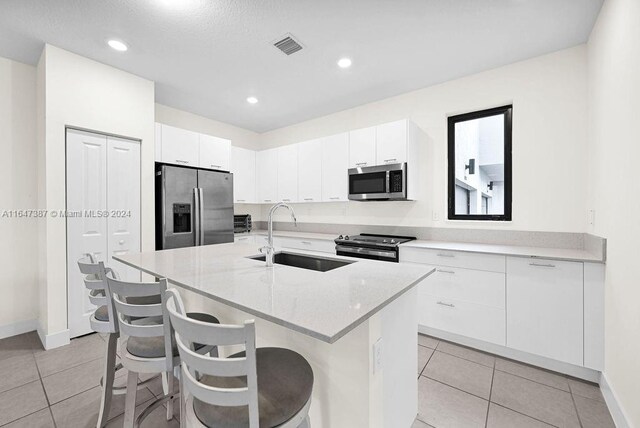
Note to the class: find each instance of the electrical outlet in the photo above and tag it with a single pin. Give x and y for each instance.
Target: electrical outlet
(377, 356)
(435, 215)
(592, 217)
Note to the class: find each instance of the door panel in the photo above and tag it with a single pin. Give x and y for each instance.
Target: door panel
(310, 171)
(86, 233)
(217, 206)
(178, 221)
(123, 196)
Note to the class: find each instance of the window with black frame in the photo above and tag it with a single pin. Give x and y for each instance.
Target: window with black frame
(480, 165)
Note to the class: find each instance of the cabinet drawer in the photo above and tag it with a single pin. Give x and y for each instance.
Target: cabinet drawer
(463, 318)
(305, 244)
(474, 286)
(488, 262)
(246, 239)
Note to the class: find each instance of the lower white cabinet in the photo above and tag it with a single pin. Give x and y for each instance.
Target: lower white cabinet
(461, 317)
(545, 308)
(325, 246)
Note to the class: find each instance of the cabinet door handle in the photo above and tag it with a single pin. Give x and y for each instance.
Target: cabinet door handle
(446, 271)
(308, 199)
(333, 198)
(361, 163)
(446, 255)
(240, 200)
(306, 242)
(182, 161)
(215, 166)
(390, 160)
(549, 265)
(267, 200)
(287, 200)
(450, 305)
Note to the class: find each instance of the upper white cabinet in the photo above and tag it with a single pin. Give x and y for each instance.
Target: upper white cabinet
(179, 146)
(215, 153)
(310, 171)
(335, 163)
(362, 147)
(545, 308)
(243, 167)
(391, 142)
(288, 173)
(183, 147)
(267, 176)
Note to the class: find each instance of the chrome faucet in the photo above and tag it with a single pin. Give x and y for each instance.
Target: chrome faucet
(268, 249)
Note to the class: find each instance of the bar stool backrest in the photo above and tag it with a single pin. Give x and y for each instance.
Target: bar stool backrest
(95, 274)
(142, 320)
(189, 331)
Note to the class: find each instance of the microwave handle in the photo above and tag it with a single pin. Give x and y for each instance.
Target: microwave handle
(388, 184)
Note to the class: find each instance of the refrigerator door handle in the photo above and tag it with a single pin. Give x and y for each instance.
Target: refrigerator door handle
(201, 211)
(196, 215)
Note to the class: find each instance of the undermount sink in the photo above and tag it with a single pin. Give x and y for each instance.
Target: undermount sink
(320, 264)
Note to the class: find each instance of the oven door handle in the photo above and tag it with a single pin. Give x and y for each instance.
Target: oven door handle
(366, 251)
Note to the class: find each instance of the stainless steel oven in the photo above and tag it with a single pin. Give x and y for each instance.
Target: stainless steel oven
(378, 183)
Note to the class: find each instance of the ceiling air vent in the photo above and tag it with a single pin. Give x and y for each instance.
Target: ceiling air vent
(288, 44)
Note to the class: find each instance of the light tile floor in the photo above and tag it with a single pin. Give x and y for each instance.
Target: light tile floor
(458, 387)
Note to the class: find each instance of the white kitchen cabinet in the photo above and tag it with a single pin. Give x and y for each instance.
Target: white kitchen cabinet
(267, 176)
(362, 147)
(243, 167)
(325, 246)
(215, 153)
(335, 163)
(158, 142)
(475, 286)
(545, 308)
(310, 171)
(288, 173)
(179, 146)
(461, 259)
(391, 142)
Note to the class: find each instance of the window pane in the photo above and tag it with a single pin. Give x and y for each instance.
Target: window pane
(479, 163)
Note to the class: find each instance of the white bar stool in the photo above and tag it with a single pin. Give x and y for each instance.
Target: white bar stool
(263, 387)
(147, 344)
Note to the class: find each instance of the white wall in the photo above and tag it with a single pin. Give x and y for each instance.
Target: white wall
(83, 93)
(614, 151)
(549, 145)
(18, 187)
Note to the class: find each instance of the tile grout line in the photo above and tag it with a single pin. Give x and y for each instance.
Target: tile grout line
(524, 414)
(535, 381)
(486, 421)
(425, 366)
(454, 387)
(575, 407)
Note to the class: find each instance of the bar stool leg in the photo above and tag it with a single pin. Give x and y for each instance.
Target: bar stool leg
(170, 392)
(130, 401)
(107, 380)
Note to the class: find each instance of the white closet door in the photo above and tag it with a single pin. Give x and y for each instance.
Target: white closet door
(86, 195)
(123, 201)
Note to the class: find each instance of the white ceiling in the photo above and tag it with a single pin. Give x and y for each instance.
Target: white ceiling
(208, 56)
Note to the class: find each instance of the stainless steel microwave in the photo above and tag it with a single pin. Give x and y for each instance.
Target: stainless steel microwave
(378, 183)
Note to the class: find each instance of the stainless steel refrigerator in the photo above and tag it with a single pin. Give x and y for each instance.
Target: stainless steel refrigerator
(193, 207)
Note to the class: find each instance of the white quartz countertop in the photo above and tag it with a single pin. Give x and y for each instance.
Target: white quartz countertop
(509, 250)
(567, 254)
(324, 305)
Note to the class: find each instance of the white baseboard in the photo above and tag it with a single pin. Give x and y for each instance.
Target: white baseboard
(54, 340)
(17, 328)
(610, 397)
(513, 354)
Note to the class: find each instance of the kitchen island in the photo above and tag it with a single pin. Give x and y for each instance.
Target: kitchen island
(355, 324)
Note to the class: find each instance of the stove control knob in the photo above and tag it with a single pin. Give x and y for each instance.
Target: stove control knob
(346, 237)
(393, 241)
(340, 237)
(384, 241)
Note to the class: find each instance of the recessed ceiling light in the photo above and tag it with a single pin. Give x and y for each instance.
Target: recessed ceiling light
(117, 45)
(344, 63)
(252, 100)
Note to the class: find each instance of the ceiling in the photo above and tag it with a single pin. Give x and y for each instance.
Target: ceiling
(208, 56)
